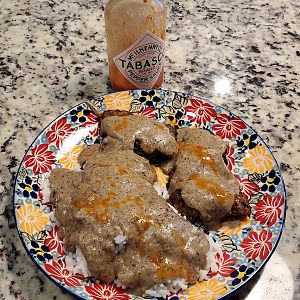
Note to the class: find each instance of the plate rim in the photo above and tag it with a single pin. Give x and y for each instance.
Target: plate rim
(232, 292)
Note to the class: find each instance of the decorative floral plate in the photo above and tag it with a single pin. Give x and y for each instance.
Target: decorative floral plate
(246, 245)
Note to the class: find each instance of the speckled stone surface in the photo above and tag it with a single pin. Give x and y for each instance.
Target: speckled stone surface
(52, 56)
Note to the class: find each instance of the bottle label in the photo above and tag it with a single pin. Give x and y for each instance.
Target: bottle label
(143, 61)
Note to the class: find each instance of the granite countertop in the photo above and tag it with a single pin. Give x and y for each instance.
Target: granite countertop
(244, 55)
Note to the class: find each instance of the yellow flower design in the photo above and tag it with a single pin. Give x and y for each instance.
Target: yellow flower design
(206, 290)
(232, 227)
(119, 101)
(258, 160)
(31, 219)
(162, 178)
(69, 161)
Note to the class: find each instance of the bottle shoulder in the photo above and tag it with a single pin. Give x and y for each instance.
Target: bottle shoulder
(150, 6)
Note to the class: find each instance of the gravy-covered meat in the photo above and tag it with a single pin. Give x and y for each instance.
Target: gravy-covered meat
(148, 137)
(112, 196)
(201, 177)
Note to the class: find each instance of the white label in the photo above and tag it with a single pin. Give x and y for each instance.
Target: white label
(143, 61)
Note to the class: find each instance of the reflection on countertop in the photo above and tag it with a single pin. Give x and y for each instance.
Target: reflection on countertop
(222, 86)
(274, 282)
(243, 55)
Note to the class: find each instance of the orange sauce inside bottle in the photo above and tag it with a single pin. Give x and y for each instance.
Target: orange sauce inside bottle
(126, 21)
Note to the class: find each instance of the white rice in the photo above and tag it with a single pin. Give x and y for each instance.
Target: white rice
(161, 191)
(120, 241)
(119, 284)
(45, 187)
(164, 289)
(76, 263)
(215, 248)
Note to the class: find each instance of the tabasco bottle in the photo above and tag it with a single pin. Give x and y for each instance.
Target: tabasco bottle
(135, 33)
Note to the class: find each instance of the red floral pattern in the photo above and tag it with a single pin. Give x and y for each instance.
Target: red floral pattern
(268, 210)
(225, 265)
(54, 242)
(106, 292)
(40, 159)
(58, 270)
(59, 131)
(148, 112)
(40, 196)
(228, 127)
(200, 112)
(257, 245)
(44, 201)
(92, 121)
(247, 187)
(229, 157)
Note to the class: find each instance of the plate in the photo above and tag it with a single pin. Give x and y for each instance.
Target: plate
(246, 245)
